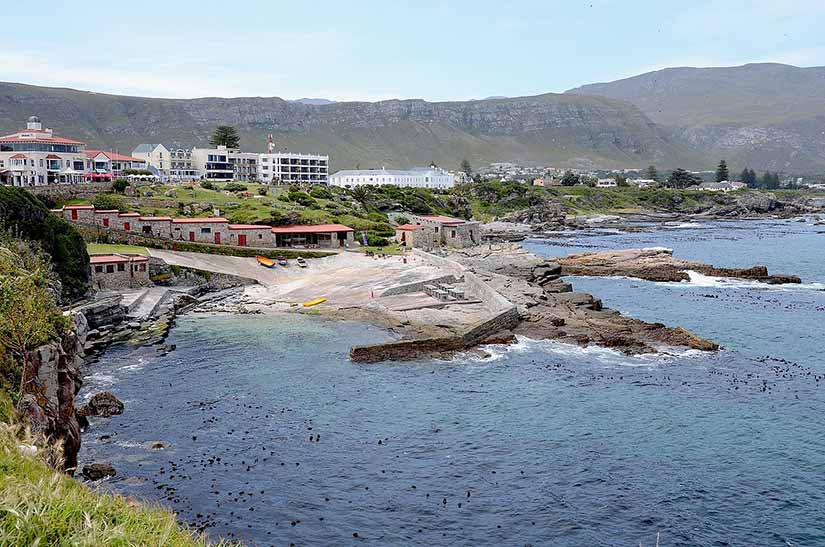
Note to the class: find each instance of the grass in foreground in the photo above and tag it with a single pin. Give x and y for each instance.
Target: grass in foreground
(109, 248)
(40, 506)
(394, 249)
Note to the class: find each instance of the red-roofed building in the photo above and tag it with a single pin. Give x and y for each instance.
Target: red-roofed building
(405, 234)
(79, 213)
(250, 235)
(110, 163)
(119, 271)
(203, 230)
(440, 231)
(36, 157)
(312, 236)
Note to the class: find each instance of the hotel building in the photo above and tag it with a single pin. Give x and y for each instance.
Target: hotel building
(36, 157)
(429, 177)
(289, 168)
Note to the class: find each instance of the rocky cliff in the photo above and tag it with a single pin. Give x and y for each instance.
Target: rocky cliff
(551, 128)
(48, 401)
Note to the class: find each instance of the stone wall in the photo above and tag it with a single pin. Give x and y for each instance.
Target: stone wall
(477, 288)
(440, 261)
(63, 192)
(419, 285)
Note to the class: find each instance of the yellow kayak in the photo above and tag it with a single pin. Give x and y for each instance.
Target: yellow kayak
(264, 261)
(315, 302)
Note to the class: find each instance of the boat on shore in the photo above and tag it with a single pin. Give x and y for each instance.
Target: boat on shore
(315, 302)
(264, 261)
(301, 262)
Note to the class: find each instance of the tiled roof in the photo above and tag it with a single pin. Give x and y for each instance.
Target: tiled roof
(149, 219)
(408, 227)
(18, 157)
(38, 136)
(105, 211)
(70, 207)
(198, 220)
(129, 215)
(311, 229)
(248, 227)
(112, 259)
(443, 219)
(110, 155)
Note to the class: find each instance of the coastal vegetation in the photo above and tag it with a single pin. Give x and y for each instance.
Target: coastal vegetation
(24, 216)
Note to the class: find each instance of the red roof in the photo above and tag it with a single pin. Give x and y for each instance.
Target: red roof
(70, 207)
(129, 215)
(18, 157)
(248, 227)
(53, 157)
(39, 136)
(149, 219)
(110, 259)
(409, 227)
(311, 229)
(443, 219)
(110, 155)
(105, 211)
(198, 220)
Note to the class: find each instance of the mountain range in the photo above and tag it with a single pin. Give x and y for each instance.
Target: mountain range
(766, 116)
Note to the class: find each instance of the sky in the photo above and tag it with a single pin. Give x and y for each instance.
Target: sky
(376, 50)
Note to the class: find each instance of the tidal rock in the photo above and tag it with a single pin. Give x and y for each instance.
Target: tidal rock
(103, 404)
(97, 471)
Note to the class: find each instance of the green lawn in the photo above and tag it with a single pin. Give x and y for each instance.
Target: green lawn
(394, 249)
(111, 248)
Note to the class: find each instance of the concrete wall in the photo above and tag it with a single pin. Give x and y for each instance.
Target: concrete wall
(419, 285)
(158, 228)
(181, 231)
(493, 301)
(261, 237)
(440, 261)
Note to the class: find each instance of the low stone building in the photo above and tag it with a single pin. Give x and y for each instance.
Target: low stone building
(128, 222)
(119, 271)
(440, 231)
(250, 235)
(201, 230)
(156, 226)
(106, 218)
(405, 234)
(324, 236)
(84, 214)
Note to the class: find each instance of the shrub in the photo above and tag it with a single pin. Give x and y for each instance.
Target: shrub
(320, 192)
(401, 219)
(120, 185)
(263, 190)
(234, 187)
(206, 185)
(301, 198)
(24, 216)
(108, 201)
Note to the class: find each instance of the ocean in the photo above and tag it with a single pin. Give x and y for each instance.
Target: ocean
(273, 437)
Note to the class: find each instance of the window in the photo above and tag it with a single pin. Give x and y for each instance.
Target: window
(206, 230)
(98, 269)
(121, 267)
(453, 234)
(260, 236)
(143, 267)
(110, 268)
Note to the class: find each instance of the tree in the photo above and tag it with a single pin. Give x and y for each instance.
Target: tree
(621, 181)
(108, 202)
(769, 181)
(570, 179)
(748, 177)
(360, 194)
(120, 185)
(682, 179)
(466, 168)
(652, 173)
(401, 219)
(722, 173)
(225, 135)
(29, 315)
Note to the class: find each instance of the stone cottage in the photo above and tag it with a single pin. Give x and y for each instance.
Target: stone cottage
(201, 230)
(156, 226)
(119, 271)
(440, 231)
(250, 235)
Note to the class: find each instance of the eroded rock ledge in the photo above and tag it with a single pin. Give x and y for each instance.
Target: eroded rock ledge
(658, 264)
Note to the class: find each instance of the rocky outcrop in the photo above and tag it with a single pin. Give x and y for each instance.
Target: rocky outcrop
(545, 216)
(47, 401)
(103, 404)
(658, 264)
(549, 309)
(98, 471)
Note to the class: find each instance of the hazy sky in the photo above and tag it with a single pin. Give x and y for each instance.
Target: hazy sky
(373, 50)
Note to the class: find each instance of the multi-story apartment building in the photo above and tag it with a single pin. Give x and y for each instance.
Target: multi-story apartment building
(288, 168)
(213, 163)
(36, 157)
(244, 165)
(171, 161)
(427, 177)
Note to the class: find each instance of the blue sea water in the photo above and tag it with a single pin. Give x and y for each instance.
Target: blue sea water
(275, 438)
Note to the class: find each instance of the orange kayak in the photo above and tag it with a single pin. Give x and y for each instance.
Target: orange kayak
(264, 261)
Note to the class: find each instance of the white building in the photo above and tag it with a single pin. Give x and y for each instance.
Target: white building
(36, 157)
(288, 168)
(429, 177)
(102, 162)
(213, 164)
(606, 183)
